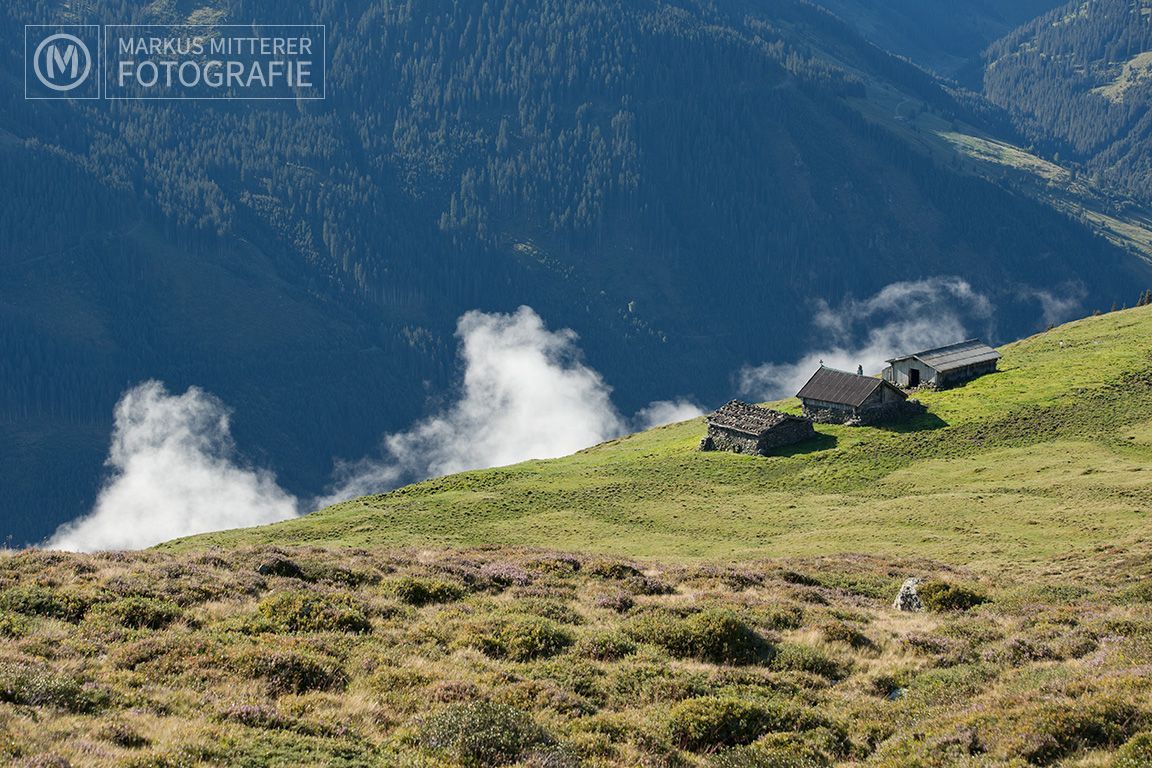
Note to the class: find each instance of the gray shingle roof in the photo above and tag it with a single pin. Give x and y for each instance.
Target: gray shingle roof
(953, 356)
(750, 419)
(832, 386)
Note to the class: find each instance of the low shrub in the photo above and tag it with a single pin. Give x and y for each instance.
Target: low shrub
(710, 723)
(1141, 592)
(577, 676)
(772, 751)
(778, 618)
(637, 685)
(618, 601)
(1049, 733)
(282, 567)
(13, 625)
(646, 585)
(715, 636)
(36, 685)
(191, 754)
(605, 645)
(799, 579)
(1136, 752)
(839, 632)
(940, 596)
(481, 734)
(561, 613)
(794, 657)
(521, 638)
(301, 612)
(254, 716)
(140, 612)
(563, 565)
(505, 574)
(291, 671)
(611, 569)
(122, 735)
(421, 592)
(35, 600)
(714, 722)
(1046, 734)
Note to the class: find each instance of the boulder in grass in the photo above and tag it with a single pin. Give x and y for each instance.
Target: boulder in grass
(908, 599)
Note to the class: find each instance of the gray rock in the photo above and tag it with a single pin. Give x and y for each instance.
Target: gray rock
(908, 599)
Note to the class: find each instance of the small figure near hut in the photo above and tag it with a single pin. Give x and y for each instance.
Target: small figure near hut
(839, 397)
(743, 428)
(942, 367)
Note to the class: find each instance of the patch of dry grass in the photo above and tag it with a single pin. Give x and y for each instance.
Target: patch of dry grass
(311, 656)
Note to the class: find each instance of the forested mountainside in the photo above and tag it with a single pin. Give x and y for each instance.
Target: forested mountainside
(677, 182)
(1078, 82)
(942, 35)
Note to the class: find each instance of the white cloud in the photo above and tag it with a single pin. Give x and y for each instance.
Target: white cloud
(902, 317)
(1058, 307)
(174, 474)
(526, 394)
(663, 412)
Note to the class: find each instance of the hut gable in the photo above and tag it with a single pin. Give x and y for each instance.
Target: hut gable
(839, 397)
(743, 428)
(943, 366)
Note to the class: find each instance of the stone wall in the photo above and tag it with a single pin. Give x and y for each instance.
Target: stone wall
(829, 415)
(722, 439)
(790, 431)
(868, 414)
(891, 411)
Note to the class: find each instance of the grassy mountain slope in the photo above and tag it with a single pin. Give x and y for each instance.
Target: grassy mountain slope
(1023, 501)
(616, 164)
(1050, 456)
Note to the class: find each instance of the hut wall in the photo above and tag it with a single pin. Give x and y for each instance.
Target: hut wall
(967, 373)
(787, 432)
(898, 373)
(892, 410)
(828, 413)
(724, 439)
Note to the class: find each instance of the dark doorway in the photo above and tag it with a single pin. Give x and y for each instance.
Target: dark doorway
(913, 378)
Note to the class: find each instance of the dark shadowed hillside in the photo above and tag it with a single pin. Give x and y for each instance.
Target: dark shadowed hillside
(942, 35)
(677, 182)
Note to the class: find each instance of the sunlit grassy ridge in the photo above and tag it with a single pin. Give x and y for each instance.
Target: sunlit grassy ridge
(1022, 500)
(1050, 456)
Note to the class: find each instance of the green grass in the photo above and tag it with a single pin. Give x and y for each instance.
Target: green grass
(1021, 501)
(1050, 457)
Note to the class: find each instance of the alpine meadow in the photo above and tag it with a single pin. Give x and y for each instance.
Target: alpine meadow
(576, 384)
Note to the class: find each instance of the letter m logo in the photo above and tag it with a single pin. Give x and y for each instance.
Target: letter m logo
(62, 61)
